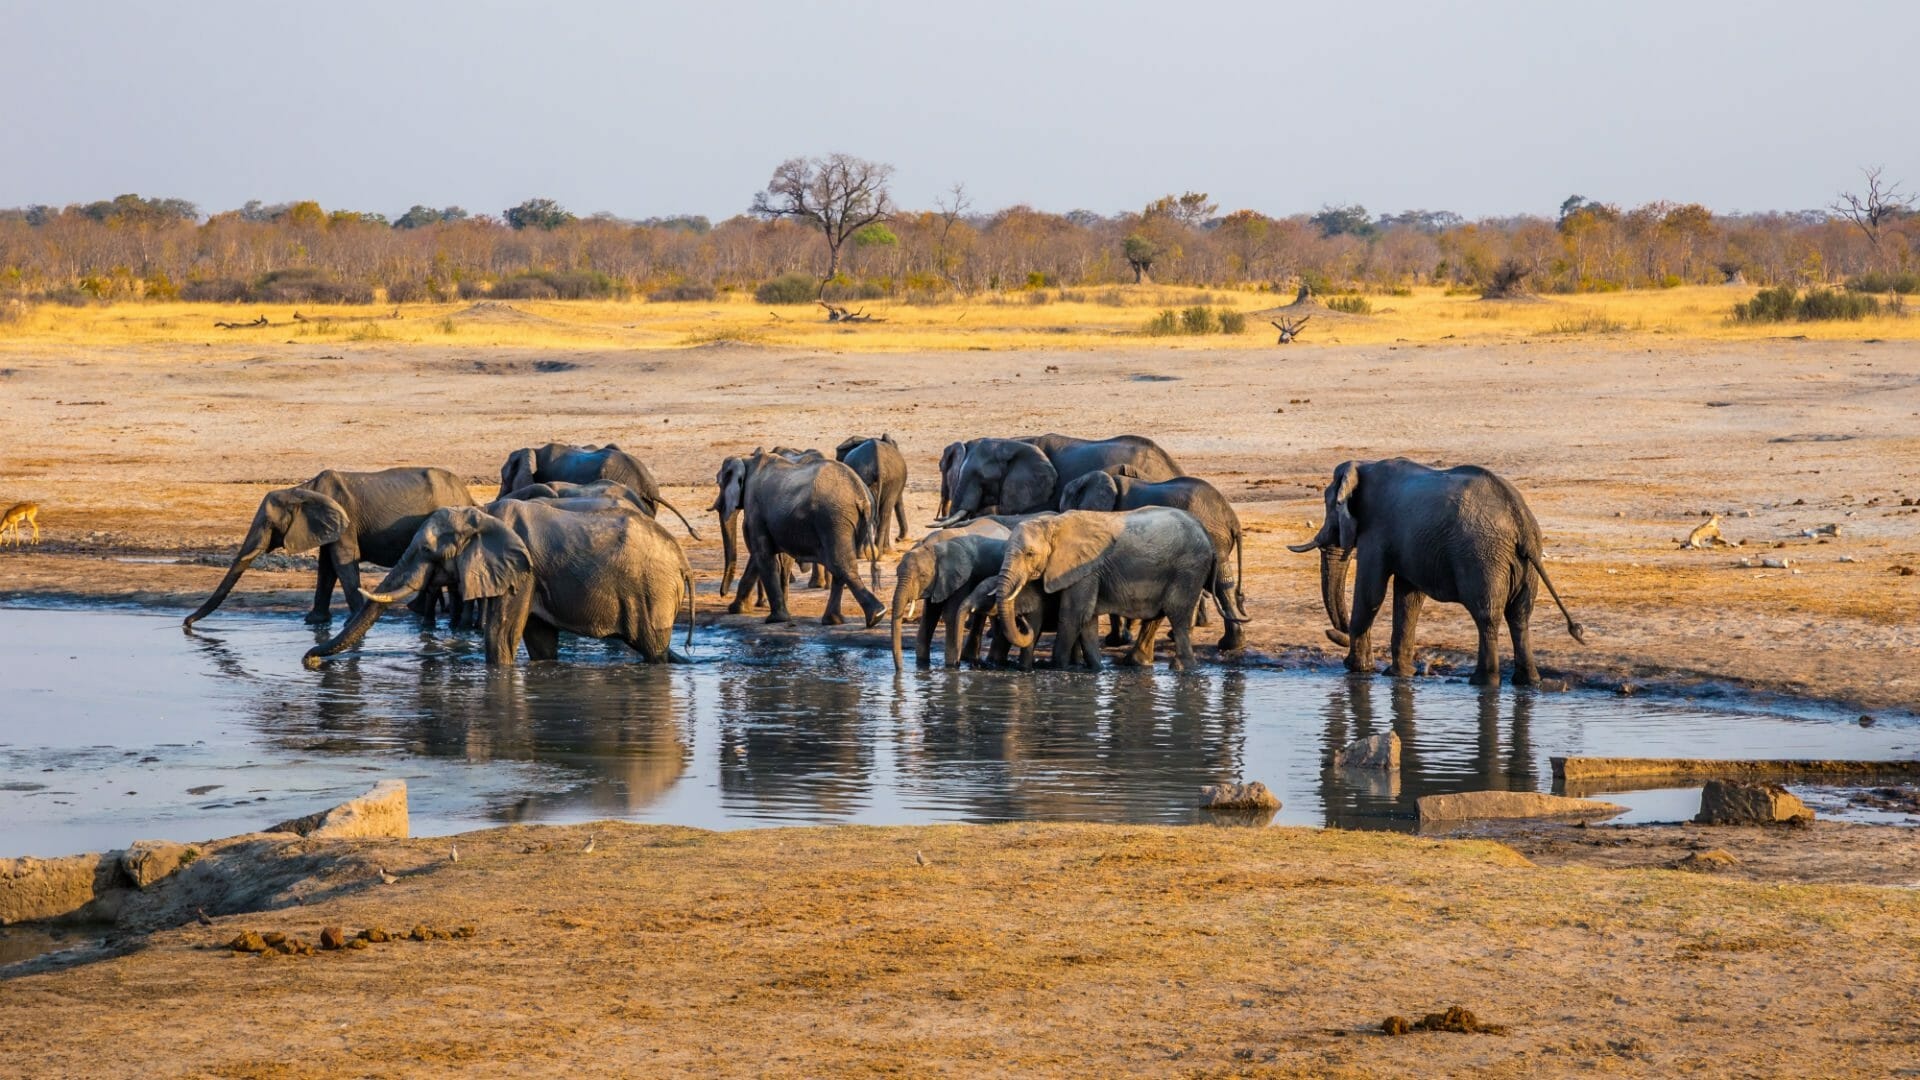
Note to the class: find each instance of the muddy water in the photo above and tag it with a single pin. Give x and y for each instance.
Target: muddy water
(119, 726)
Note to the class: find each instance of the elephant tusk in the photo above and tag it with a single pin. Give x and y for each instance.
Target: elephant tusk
(1302, 549)
(380, 598)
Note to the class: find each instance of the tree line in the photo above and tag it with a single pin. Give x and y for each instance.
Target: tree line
(833, 219)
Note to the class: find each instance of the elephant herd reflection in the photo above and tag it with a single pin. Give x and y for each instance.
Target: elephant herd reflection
(806, 732)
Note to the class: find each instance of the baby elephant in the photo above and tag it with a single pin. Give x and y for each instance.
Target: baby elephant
(939, 573)
(1121, 489)
(1460, 535)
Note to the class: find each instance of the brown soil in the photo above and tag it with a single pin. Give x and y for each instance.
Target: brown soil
(143, 450)
(1021, 949)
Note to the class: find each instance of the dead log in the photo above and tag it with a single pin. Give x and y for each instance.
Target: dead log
(261, 321)
(1289, 328)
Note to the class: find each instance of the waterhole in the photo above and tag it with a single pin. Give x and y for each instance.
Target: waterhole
(118, 726)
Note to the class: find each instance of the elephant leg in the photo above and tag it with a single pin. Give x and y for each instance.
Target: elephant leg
(1519, 618)
(1119, 631)
(1200, 611)
(1141, 655)
(970, 644)
(1486, 669)
(507, 619)
(749, 584)
(1407, 602)
(955, 614)
(346, 568)
(1233, 636)
(832, 616)
(821, 575)
(923, 638)
(1369, 592)
(844, 569)
(542, 639)
(900, 514)
(320, 613)
(767, 562)
(1182, 633)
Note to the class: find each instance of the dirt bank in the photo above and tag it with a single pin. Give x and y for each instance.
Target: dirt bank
(140, 450)
(995, 950)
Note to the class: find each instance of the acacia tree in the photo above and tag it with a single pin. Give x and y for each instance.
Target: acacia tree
(838, 194)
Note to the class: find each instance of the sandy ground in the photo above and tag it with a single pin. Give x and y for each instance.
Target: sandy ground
(1021, 949)
(139, 450)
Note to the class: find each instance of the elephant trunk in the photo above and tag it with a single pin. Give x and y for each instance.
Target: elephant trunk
(255, 545)
(349, 636)
(1018, 632)
(899, 617)
(730, 551)
(1333, 590)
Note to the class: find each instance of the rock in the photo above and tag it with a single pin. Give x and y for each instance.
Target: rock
(357, 943)
(1395, 1025)
(1706, 862)
(248, 942)
(1377, 752)
(375, 934)
(33, 888)
(1745, 802)
(1460, 1020)
(274, 938)
(1248, 796)
(333, 937)
(421, 932)
(1773, 563)
(1508, 804)
(381, 812)
(147, 861)
(464, 932)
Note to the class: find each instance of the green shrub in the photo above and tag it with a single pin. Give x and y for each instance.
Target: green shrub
(1198, 320)
(789, 289)
(1316, 282)
(1588, 322)
(1352, 305)
(1233, 322)
(1784, 303)
(1164, 324)
(1905, 283)
(554, 285)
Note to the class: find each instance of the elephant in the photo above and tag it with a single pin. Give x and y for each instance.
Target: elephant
(939, 573)
(814, 510)
(881, 466)
(599, 489)
(616, 575)
(728, 503)
(1038, 607)
(1461, 536)
(584, 465)
(1153, 563)
(351, 517)
(1026, 475)
(1118, 489)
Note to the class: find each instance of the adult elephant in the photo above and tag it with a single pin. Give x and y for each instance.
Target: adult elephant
(352, 517)
(812, 509)
(560, 462)
(611, 574)
(883, 468)
(939, 573)
(1026, 476)
(1461, 536)
(1117, 489)
(1149, 564)
(560, 491)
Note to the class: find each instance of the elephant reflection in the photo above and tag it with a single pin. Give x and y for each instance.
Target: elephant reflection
(795, 745)
(1431, 762)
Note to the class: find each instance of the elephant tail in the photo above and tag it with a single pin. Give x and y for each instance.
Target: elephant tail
(870, 528)
(1240, 573)
(676, 513)
(1573, 628)
(686, 580)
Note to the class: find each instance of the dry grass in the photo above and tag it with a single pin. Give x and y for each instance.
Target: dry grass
(1026, 949)
(1088, 319)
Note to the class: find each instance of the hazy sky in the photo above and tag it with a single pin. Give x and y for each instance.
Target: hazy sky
(653, 109)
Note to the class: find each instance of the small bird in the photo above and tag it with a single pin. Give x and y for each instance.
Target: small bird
(200, 916)
(453, 853)
(921, 859)
(385, 878)
(588, 850)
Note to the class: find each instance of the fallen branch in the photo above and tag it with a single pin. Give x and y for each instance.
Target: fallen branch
(261, 321)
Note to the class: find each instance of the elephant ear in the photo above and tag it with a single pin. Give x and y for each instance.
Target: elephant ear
(846, 447)
(1094, 491)
(518, 471)
(1029, 483)
(954, 563)
(1346, 480)
(313, 520)
(1080, 544)
(491, 561)
(732, 497)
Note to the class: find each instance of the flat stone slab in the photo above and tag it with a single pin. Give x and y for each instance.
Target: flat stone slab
(381, 812)
(1466, 805)
(1596, 768)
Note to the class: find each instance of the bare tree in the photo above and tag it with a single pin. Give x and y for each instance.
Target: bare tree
(953, 206)
(1870, 212)
(838, 194)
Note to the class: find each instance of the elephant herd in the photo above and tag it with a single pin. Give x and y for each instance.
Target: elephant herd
(1035, 535)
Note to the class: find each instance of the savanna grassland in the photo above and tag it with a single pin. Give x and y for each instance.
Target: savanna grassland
(143, 430)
